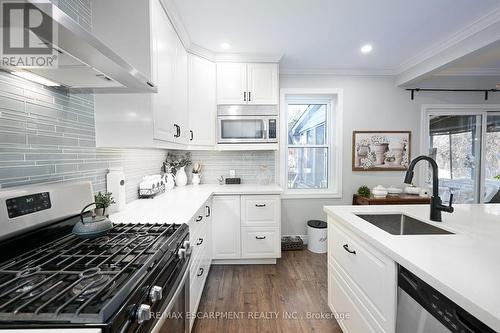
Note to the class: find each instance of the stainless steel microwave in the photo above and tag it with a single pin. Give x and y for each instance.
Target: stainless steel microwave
(247, 124)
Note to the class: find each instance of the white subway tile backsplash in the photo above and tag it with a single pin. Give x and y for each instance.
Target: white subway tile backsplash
(248, 165)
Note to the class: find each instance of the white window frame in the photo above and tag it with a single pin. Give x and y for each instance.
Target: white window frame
(459, 110)
(334, 99)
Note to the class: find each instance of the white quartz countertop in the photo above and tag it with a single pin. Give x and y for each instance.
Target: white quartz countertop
(465, 266)
(181, 203)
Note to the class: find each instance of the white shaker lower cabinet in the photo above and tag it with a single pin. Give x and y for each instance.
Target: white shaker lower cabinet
(226, 227)
(200, 236)
(362, 282)
(247, 228)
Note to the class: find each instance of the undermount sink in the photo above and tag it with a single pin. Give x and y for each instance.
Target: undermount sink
(400, 224)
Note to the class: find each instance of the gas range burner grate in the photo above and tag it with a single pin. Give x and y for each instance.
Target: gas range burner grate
(71, 276)
(91, 281)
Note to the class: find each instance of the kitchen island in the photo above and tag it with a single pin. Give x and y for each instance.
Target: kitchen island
(463, 265)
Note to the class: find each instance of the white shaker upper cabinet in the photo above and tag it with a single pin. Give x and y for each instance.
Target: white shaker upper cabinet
(149, 42)
(201, 101)
(180, 116)
(164, 59)
(239, 83)
(262, 83)
(231, 83)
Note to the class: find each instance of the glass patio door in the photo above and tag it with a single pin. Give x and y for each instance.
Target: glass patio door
(466, 146)
(492, 158)
(455, 144)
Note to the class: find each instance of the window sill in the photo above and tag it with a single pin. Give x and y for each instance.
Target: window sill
(311, 195)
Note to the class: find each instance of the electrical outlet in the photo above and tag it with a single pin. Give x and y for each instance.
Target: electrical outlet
(232, 173)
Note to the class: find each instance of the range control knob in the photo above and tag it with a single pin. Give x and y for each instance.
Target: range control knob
(155, 293)
(143, 313)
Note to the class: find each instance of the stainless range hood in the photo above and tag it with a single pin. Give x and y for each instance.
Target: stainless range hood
(85, 64)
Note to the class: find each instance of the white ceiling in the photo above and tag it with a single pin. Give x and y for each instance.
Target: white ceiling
(328, 34)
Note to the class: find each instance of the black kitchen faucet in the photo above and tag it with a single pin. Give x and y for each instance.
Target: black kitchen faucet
(436, 203)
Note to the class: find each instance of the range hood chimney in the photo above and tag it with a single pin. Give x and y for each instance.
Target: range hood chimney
(85, 64)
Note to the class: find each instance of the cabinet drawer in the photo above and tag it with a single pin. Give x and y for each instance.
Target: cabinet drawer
(260, 242)
(259, 210)
(198, 243)
(198, 222)
(198, 275)
(344, 303)
(365, 267)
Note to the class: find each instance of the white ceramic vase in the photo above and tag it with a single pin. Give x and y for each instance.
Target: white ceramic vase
(169, 181)
(196, 179)
(181, 177)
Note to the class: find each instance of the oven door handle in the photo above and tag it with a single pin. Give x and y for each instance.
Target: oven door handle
(178, 291)
(170, 305)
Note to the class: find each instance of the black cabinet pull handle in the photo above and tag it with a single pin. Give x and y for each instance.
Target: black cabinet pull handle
(200, 241)
(260, 237)
(244, 96)
(199, 218)
(260, 205)
(192, 135)
(177, 131)
(209, 211)
(346, 247)
(201, 272)
(249, 96)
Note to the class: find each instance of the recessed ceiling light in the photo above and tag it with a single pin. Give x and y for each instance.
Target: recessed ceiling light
(225, 46)
(35, 78)
(366, 48)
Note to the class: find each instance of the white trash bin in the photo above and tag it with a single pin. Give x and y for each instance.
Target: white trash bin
(316, 234)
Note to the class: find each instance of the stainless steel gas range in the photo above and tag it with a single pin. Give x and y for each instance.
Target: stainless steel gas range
(134, 279)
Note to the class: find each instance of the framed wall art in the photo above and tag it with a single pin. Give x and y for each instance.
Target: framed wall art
(381, 150)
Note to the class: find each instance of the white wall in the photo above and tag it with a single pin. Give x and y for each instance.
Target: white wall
(370, 103)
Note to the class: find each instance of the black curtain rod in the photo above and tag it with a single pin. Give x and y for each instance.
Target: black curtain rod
(485, 91)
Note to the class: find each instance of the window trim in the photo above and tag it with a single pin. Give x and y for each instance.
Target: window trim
(334, 99)
(459, 110)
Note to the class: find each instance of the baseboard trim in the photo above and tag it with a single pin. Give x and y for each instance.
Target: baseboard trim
(243, 261)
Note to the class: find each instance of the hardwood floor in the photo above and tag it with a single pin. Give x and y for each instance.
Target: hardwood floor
(260, 297)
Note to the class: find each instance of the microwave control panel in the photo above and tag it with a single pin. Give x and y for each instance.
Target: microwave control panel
(272, 128)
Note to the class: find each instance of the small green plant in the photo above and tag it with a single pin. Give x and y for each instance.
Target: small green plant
(174, 162)
(364, 191)
(103, 200)
(497, 177)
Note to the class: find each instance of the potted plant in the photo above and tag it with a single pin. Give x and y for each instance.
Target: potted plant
(196, 173)
(364, 191)
(102, 202)
(177, 163)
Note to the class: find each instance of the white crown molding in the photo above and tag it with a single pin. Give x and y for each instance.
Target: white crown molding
(175, 19)
(201, 52)
(339, 72)
(248, 57)
(180, 29)
(477, 26)
(455, 71)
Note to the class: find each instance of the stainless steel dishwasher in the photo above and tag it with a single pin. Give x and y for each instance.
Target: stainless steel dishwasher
(422, 309)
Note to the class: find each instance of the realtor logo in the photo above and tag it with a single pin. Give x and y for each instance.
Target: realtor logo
(28, 34)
